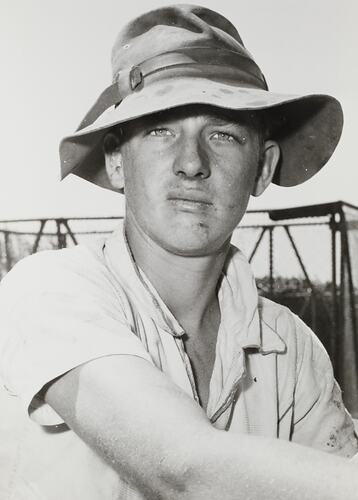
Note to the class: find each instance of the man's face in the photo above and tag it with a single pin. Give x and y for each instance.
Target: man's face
(188, 176)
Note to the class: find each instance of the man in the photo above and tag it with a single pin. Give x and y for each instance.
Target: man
(134, 355)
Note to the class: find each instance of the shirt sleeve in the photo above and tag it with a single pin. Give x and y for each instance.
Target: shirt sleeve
(55, 316)
(320, 418)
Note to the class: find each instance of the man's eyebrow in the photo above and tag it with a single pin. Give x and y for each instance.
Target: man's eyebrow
(228, 121)
(168, 116)
(217, 120)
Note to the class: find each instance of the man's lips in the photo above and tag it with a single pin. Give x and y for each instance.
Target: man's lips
(183, 201)
(190, 197)
(190, 202)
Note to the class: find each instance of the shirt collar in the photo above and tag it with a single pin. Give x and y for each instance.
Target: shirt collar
(238, 298)
(132, 280)
(240, 306)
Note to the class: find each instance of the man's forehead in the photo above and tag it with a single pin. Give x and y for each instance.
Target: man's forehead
(210, 114)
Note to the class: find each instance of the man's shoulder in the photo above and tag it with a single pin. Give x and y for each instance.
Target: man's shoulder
(275, 315)
(50, 270)
(291, 329)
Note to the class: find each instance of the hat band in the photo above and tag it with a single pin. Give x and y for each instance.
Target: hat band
(221, 65)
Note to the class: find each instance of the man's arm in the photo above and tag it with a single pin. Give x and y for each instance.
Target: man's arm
(162, 443)
(320, 418)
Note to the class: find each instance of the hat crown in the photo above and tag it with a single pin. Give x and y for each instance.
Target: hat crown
(173, 28)
(186, 54)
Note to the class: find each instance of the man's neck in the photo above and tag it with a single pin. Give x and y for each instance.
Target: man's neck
(187, 285)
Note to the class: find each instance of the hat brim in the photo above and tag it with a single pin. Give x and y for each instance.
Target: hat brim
(307, 127)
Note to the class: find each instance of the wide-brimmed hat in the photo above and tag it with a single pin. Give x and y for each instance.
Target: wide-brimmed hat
(186, 54)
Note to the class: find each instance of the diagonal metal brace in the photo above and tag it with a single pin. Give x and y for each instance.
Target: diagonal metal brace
(257, 244)
(38, 236)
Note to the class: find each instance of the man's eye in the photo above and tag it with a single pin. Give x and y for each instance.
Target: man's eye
(160, 132)
(226, 137)
(223, 136)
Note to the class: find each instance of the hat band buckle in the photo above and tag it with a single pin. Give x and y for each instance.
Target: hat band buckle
(222, 65)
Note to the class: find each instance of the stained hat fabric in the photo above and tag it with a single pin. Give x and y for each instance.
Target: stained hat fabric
(187, 54)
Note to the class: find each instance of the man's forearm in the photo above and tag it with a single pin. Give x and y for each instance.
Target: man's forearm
(160, 441)
(242, 466)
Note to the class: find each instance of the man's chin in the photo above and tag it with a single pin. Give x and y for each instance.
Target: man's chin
(190, 245)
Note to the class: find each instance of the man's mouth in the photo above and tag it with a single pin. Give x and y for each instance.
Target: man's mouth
(190, 202)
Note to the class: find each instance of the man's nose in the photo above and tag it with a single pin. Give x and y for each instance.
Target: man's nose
(192, 160)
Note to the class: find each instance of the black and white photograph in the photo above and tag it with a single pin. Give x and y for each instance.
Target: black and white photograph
(179, 250)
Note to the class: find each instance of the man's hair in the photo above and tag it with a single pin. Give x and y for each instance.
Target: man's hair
(113, 138)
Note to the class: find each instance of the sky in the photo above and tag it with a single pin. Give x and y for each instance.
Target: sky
(56, 61)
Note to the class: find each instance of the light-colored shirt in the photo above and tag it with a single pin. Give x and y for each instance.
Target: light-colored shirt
(59, 309)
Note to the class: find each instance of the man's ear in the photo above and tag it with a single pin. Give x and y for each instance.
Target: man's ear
(113, 161)
(269, 161)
